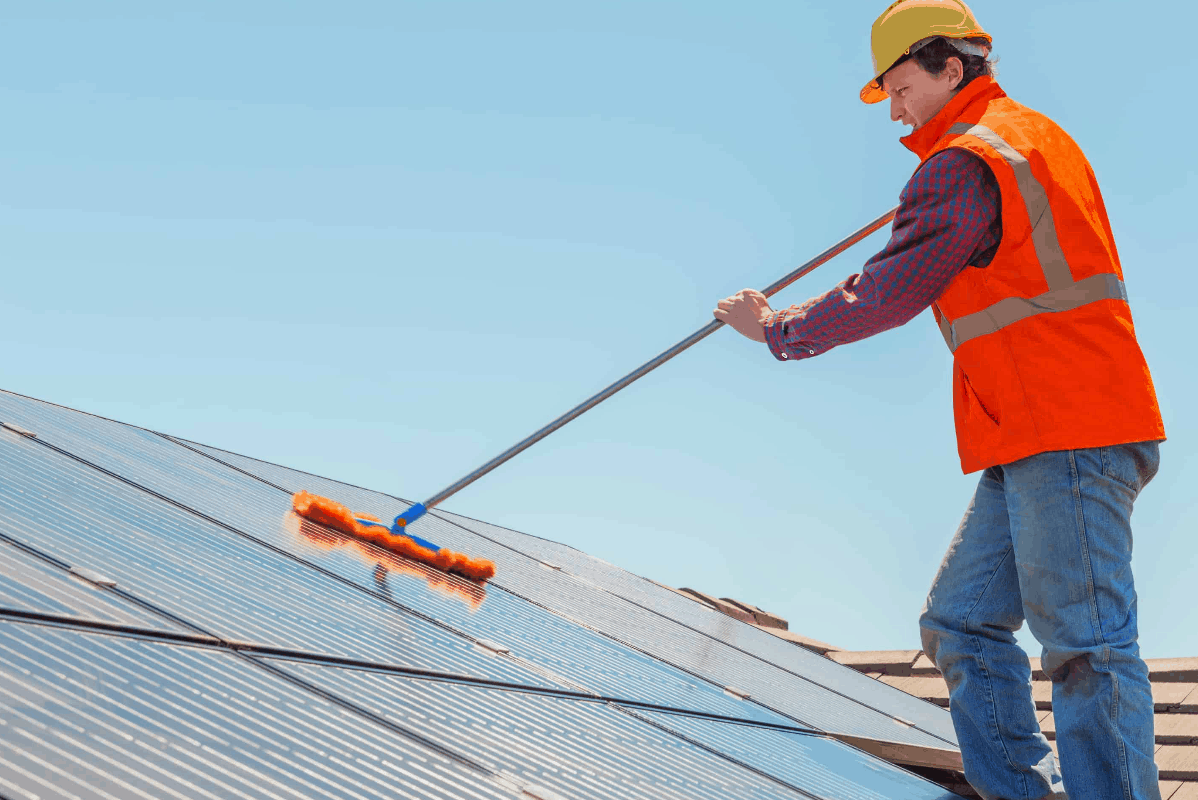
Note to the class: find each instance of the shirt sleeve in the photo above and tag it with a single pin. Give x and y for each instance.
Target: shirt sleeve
(948, 216)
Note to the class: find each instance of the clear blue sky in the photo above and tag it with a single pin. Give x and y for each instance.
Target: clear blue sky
(382, 241)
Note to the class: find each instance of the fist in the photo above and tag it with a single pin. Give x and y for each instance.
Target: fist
(745, 311)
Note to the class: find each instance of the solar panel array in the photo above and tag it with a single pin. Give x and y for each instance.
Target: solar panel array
(170, 629)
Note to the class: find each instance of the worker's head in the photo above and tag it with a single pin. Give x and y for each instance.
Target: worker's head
(924, 52)
(922, 83)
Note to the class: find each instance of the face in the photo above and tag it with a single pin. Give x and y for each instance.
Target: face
(915, 95)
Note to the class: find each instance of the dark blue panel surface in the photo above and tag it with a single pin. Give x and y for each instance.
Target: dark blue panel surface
(824, 766)
(805, 687)
(93, 717)
(808, 688)
(571, 656)
(590, 750)
(758, 643)
(214, 579)
(28, 583)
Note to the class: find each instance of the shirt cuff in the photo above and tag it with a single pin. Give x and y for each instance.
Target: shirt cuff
(775, 339)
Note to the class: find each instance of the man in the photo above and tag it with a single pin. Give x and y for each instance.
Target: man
(1003, 232)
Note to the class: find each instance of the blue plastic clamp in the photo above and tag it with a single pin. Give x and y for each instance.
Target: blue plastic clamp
(411, 515)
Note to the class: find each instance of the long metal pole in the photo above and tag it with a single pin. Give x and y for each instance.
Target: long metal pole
(649, 366)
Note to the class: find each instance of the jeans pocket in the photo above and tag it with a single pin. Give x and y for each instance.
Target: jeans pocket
(1132, 465)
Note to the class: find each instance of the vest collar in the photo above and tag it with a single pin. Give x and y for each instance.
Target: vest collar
(977, 94)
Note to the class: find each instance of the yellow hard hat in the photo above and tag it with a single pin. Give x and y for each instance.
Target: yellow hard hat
(910, 24)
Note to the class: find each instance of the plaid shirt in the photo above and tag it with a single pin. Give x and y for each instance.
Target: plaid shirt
(949, 217)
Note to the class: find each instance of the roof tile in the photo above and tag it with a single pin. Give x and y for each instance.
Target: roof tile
(1177, 762)
(1176, 728)
(924, 666)
(1175, 697)
(815, 645)
(889, 662)
(1185, 791)
(1042, 694)
(762, 618)
(1172, 670)
(720, 605)
(933, 689)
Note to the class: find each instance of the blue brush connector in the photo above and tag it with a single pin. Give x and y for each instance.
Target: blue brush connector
(400, 525)
(407, 518)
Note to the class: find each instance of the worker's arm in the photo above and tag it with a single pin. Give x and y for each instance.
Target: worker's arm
(948, 217)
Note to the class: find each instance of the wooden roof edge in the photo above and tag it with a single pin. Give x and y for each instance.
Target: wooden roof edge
(903, 754)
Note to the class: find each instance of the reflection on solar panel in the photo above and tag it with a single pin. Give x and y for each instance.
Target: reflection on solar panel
(168, 628)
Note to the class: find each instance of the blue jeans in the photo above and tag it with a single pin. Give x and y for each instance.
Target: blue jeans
(1048, 539)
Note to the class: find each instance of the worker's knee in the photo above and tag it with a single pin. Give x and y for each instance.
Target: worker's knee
(932, 632)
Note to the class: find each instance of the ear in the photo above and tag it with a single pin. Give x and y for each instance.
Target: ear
(955, 71)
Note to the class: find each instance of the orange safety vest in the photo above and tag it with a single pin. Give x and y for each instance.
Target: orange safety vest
(1045, 356)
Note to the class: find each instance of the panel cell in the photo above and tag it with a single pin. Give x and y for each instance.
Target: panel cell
(93, 717)
(29, 583)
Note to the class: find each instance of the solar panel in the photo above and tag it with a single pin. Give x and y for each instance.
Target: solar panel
(808, 688)
(40, 587)
(232, 586)
(823, 766)
(760, 644)
(571, 678)
(101, 717)
(218, 581)
(589, 750)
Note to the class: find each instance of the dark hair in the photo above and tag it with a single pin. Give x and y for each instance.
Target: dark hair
(933, 58)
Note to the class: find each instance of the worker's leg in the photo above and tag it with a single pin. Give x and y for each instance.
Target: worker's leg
(967, 629)
(1070, 517)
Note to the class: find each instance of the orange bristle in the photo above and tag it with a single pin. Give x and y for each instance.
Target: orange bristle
(338, 517)
(325, 511)
(384, 561)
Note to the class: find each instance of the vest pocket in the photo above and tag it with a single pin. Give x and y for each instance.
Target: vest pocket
(973, 401)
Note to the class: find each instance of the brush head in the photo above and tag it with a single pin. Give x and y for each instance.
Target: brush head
(326, 511)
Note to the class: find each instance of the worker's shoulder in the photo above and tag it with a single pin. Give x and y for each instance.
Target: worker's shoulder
(948, 172)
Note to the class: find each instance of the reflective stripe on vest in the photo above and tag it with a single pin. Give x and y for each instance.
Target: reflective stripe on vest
(1064, 294)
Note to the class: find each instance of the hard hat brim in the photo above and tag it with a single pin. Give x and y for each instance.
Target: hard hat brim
(872, 93)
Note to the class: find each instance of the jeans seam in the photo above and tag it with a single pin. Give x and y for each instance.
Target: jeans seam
(985, 670)
(1096, 621)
